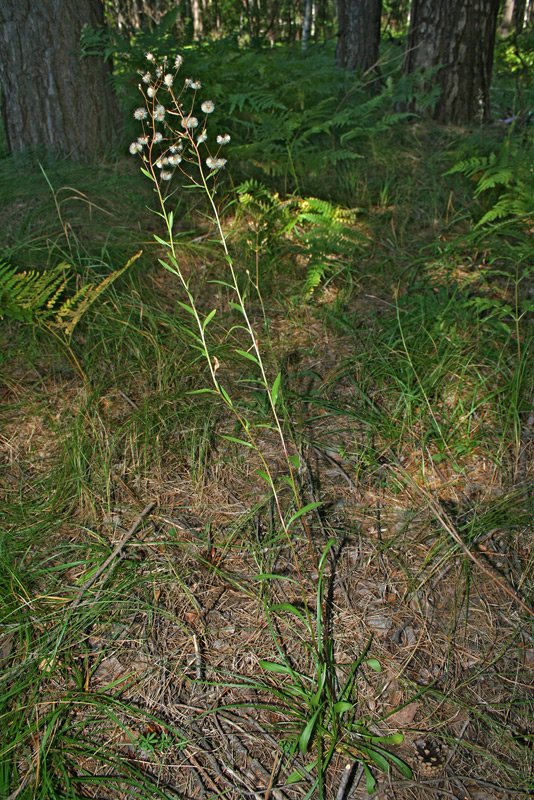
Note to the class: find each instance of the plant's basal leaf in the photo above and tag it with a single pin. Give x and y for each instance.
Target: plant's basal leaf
(400, 764)
(295, 777)
(392, 738)
(290, 608)
(272, 666)
(378, 759)
(374, 663)
(267, 576)
(342, 706)
(369, 780)
(307, 734)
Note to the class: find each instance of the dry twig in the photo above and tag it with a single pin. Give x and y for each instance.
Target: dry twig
(116, 552)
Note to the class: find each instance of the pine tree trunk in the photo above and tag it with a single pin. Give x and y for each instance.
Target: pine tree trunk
(51, 97)
(359, 35)
(460, 35)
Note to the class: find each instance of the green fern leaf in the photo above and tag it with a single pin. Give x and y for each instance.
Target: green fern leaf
(36, 297)
(25, 296)
(71, 312)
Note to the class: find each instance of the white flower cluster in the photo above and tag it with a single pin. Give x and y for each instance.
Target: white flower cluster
(158, 83)
(215, 163)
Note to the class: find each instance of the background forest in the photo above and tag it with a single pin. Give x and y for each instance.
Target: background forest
(267, 404)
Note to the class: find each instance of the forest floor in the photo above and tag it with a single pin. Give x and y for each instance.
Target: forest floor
(406, 379)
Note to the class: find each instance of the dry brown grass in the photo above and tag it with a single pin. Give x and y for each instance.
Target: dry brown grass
(456, 651)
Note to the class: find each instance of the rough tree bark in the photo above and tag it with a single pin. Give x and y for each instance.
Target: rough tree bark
(51, 98)
(459, 35)
(359, 35)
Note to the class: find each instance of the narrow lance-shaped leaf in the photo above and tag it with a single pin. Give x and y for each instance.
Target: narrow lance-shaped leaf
(302, 511)
(236, 440)
(307, 733)
(208, 319)
(295, 460)
(187, 308)
(275, 389)
(250, 356)
(160, 240)
(266, 477)
(272, 666)
(226, 397)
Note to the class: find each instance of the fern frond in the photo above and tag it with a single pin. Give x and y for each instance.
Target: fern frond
(71, 312)
(470, 166)
(37, 297)
(509, 205)
(26, 295)
(489, 180)
(314, 277)
(257, 101)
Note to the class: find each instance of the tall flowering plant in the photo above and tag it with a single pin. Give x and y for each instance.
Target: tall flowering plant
(175, 137)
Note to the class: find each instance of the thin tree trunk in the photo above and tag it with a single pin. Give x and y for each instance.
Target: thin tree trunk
(272, 30)
(306, 24)
(246, 5)
(197, 19)
(513, 17)
(359, 35)
(505, 26)
(519, 15)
